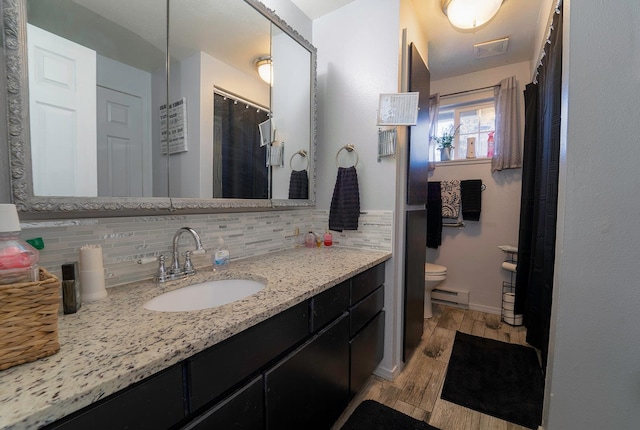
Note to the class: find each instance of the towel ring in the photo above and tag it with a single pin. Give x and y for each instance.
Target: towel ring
(350, 148)
(302, 153)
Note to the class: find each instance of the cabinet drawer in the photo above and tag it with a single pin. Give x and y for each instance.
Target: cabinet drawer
(219, 368)
(309, 388)
(328, 305)
(366, 349)
(243, 410)
(366, 309)
(365, 282)
(154, 403)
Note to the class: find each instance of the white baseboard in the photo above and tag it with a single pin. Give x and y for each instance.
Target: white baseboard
(485, 309)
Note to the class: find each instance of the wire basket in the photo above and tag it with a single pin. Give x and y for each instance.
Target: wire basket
(29, 320)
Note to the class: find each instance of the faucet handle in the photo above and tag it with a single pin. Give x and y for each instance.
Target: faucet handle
(161, 275)
(188, 268)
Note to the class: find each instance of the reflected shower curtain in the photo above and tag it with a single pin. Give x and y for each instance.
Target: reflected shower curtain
(239, 161)
(539, 201)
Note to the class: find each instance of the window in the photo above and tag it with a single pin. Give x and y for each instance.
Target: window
(476, 119)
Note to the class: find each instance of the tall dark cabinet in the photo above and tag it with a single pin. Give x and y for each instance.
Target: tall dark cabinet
(416, 214)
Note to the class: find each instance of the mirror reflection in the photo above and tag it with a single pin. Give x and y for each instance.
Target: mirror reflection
(115, 96)
(95, 82)
(215, 44)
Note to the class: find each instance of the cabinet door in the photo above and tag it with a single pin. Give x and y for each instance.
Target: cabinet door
(364, 283)
(329, 305)
(367, 349)
(366, 309)
(243, 410)
(309, 388)
(155, 403)
(221, 367)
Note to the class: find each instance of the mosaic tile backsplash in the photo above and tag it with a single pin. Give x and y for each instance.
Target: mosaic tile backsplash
(126, 240)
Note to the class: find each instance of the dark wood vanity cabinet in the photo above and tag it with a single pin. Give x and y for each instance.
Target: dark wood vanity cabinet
(156, 402)
(242, 410)
(219, 368)
(298, 369)
(309, 388)
(366, 326)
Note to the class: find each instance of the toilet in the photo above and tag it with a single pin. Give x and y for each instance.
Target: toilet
(434, 275)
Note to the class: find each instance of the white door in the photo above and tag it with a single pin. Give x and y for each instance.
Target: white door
(120, 144)
(62, 104)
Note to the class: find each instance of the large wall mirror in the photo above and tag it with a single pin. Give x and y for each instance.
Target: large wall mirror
(119, 107)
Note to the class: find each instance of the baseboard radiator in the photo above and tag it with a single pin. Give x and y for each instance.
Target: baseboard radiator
(450, 296)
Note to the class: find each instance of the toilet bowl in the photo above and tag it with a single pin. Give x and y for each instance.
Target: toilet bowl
(434, 275)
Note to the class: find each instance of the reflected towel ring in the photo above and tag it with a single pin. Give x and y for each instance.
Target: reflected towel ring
(302, 153)
(350, 148)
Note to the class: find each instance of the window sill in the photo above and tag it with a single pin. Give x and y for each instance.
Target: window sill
(463, 162)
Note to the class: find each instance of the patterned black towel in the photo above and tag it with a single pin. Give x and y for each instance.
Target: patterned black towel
(299, 185)
(471, 199)
(345, 204)
(434, 215)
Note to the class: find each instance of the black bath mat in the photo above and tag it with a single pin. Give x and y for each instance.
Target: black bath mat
(496, 378)
(371, 415)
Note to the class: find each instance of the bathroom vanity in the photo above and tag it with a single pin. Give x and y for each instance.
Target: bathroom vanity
(290, 356)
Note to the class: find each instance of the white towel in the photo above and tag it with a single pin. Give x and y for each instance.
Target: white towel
(450, 192)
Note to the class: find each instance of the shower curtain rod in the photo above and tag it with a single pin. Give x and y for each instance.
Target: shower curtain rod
(468, 91)
(547, 39)
(236, 97)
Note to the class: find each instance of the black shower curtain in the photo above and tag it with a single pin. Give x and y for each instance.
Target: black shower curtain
(244, 174)
(539, 201)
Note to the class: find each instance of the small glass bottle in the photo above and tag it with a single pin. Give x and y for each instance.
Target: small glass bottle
(310, 240)
(328, 239)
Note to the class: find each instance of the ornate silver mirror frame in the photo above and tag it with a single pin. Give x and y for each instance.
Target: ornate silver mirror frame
(13, 27)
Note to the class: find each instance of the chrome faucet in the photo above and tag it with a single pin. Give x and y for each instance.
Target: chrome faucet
(176, 271)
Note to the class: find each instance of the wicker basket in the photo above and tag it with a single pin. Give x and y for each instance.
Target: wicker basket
(29, 320)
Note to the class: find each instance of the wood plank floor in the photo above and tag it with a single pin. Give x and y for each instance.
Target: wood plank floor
(416, 391)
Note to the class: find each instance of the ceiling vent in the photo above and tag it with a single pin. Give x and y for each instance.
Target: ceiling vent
(491, 48)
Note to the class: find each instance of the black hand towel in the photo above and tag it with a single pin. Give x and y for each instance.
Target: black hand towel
(345, 204)
(434, 215)
(299, 185)
(471, 199)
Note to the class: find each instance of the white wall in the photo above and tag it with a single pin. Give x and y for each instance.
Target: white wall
(358, 51)
(594, 376)
(292, 15)
(471, 254)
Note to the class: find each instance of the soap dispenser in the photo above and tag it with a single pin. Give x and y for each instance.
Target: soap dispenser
(310, 240)
(220, 257)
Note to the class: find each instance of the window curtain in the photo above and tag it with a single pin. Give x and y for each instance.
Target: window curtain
(434, 105)
(539, 199)
(507, 154)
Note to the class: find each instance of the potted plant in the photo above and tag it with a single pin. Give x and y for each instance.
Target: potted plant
(445, 142)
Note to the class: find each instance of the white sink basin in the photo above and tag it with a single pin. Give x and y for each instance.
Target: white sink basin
(205, 295)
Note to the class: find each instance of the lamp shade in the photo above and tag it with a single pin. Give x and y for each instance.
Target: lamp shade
(263, 64)
(9, 220)
(469, 14)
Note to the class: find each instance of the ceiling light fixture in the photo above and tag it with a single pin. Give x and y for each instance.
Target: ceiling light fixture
(263, 64)
(470, 14)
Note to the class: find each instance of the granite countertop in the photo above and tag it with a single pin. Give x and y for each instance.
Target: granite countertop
(111, 344)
